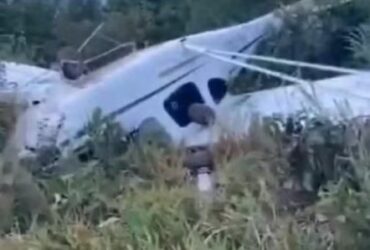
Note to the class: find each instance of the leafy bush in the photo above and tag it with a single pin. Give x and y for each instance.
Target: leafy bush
(341, 32)
(105, 139)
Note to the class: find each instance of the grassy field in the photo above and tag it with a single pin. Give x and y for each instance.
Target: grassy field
(146, 201)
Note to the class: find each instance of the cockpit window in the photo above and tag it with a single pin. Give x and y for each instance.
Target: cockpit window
(217, 88)
(178, 103)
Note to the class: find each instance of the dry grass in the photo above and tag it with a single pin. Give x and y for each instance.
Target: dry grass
(148, 204)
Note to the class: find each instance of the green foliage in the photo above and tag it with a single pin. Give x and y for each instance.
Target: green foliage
(359, 40)
(34, 19)
(338, 36)
(147, 204)
(50, 27)
(206, 14)
(105, 139)
(84, 10)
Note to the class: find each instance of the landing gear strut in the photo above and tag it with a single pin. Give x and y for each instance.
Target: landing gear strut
(199, 161)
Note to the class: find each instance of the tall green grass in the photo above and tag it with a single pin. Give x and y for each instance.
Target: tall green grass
(148, 204)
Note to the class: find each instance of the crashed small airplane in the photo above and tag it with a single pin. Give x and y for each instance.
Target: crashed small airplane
(165, 82)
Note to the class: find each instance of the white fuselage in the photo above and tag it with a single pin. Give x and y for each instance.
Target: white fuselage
(141, 86)
(136, 87)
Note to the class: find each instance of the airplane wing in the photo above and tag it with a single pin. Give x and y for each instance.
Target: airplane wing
(26, 84)
(14, 75)
(340, 99)
(332, 97)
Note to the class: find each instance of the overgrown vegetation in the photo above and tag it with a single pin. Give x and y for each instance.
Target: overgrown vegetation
(340, 39)
(260, 201)
(302, 188)
(48, 28)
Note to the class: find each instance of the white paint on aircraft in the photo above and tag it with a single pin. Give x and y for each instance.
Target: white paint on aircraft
(164, 67)
(134, 88)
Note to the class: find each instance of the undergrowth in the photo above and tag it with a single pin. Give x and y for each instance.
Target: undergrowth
(149, 204)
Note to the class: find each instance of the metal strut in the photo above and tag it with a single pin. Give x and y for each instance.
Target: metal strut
(275, 60)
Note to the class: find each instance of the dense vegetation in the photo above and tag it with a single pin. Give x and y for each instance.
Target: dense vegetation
(260, 201)
(335, 37)
(274, 190)
(47, 26)
(38, 30)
